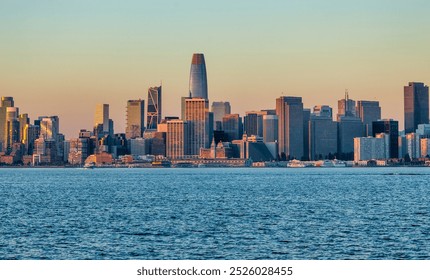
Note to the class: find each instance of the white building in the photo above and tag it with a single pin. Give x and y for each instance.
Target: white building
(367, 148)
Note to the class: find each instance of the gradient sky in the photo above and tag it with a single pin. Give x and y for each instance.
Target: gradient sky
(62, 57)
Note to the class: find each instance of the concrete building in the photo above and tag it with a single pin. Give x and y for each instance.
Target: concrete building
(138, 147)
(425, 147)
(290, 126)
(416, 106)
(322, 111)
(346, 107)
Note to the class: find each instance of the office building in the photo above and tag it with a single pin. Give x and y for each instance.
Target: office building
(390, 127)
(322, 137)
(369, 148)
(101, 117)
(135, 119)
(290, 126)
(322, 111)
(416, 106)
(346, 107)
(5, 103)
(270, 128)
(368, 112)
(349, 127)
(177, 139)
(154, 108)
(49, 127)
(220, 109)
(232, 126)
(200, 124)
(198, 80)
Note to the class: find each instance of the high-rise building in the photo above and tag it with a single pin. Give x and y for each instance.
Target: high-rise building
(135, 119)
(322, 137)
(49, 127)
(306, 119)
(290, 126)
(154, 108)
(5, 102)
(416, 102)
(220, 109)
(232, 126)
(101, 117)
(390, 127)
(253, 124)
(12, 127)
(198, 78)
(177, 139)
(23, 121)
(368, 112)
(200, 124)
(346, 107)
(270, 128)
(349, 127)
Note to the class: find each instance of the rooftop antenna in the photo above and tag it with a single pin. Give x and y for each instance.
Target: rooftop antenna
(346, 94)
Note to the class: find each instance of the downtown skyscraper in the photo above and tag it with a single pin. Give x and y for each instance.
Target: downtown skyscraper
(135, 118)
(153, 111)
(416, 102)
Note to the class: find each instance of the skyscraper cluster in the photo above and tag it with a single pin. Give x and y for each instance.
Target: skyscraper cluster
(203, 131)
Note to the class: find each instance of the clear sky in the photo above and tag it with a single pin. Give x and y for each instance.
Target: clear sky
(61, 57)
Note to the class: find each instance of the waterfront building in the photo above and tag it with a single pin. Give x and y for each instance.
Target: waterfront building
(198, 79)
(232, 126)
(252, 148)
(135, 119)
(138, 147)
(416, 106)
(101, 117)
(349, 127)
(369, 148)
(200, 124)
(368, 112)
(154, 108)
(79, 150)
(270, 128)
(220, 109)
(322, 137)
(402, 146)
(177, 139)
(23, 120)
(413, 145)
(390, 127)
(290, 126)
(12, 128)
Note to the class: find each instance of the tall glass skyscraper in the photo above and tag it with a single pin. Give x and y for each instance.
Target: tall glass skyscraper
(153, 117)
(198, 79)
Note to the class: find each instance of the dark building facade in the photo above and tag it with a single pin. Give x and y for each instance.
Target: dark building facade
(368, 112)
(153, 111)
(391, 128)
(416, 102)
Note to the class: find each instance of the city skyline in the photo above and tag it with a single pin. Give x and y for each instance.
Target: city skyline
(62, 59)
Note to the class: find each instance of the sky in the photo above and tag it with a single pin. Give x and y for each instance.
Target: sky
(61, 57)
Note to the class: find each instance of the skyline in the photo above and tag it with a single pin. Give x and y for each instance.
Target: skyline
(53, 52)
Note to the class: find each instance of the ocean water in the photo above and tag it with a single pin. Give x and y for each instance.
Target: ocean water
(220, 213)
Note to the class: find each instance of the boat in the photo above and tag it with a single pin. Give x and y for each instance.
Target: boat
(330, 163)
(295, 164)
(89, 165)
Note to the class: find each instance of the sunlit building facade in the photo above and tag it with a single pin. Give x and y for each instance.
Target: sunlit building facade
(135, 119)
